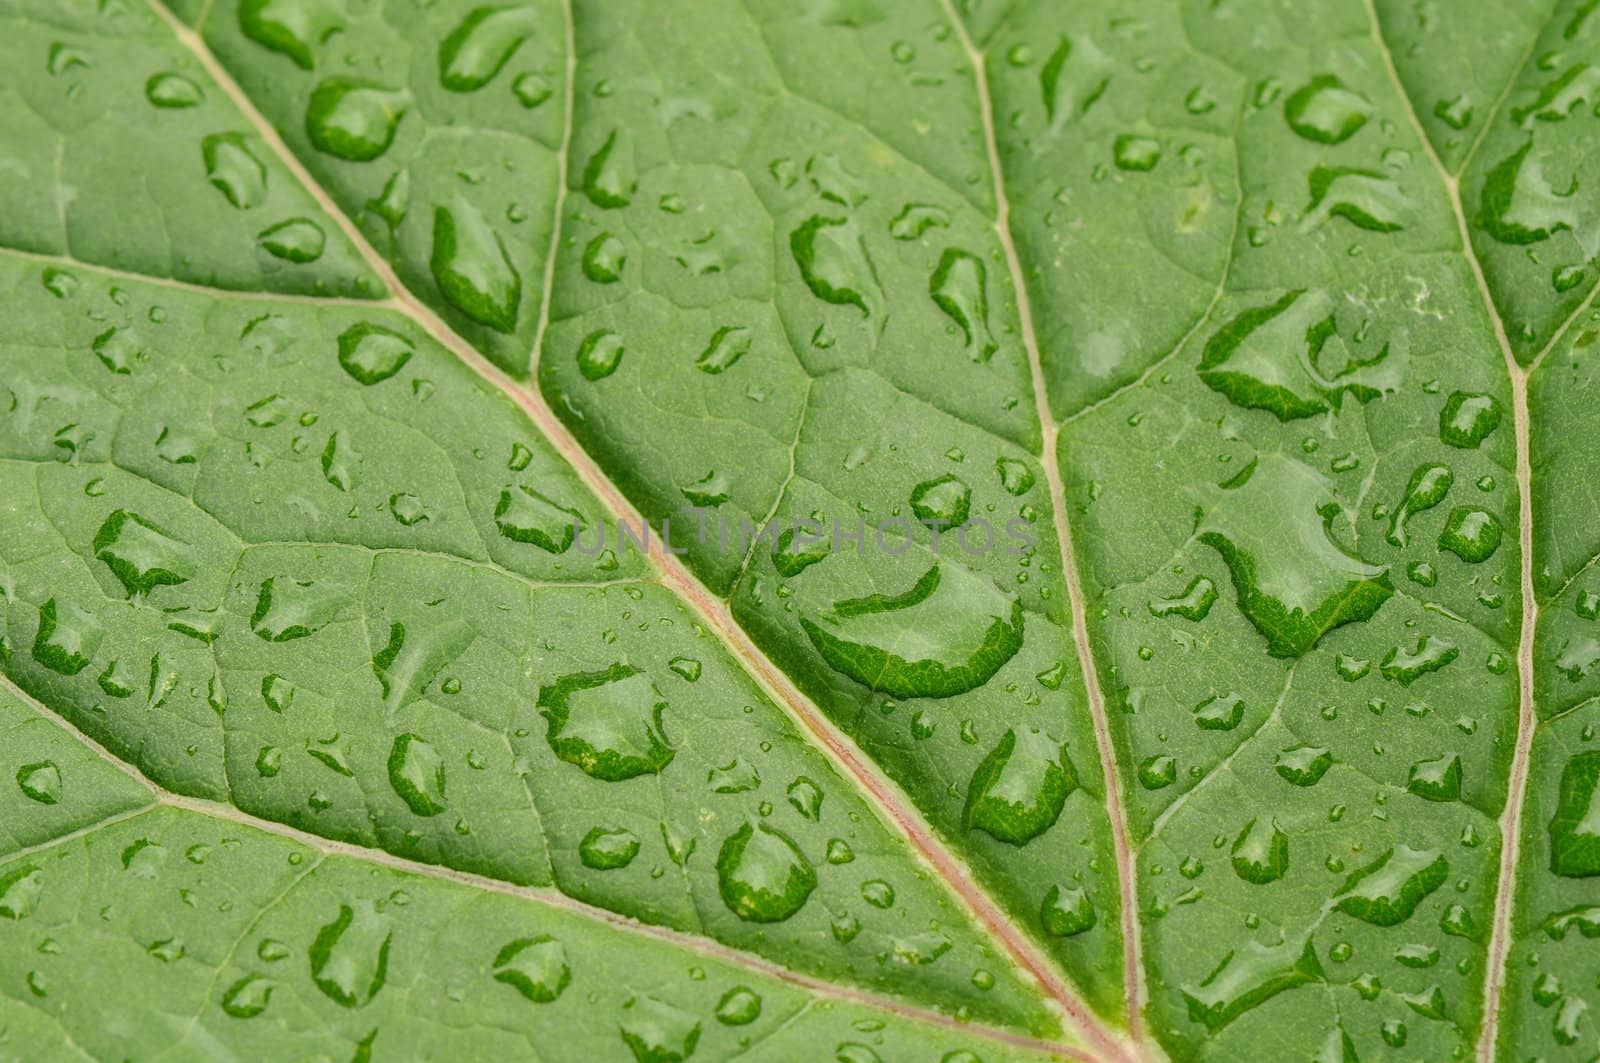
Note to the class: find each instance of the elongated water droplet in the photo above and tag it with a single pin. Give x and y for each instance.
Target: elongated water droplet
(959, 288)
(472, 268)
(350, 956)
(416, 771)
(477, 49)
(233, 168)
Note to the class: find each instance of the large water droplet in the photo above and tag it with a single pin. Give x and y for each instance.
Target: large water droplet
(371, 353)
(142, 555)
(1019, 789)
(1575, 827)
(536, 967)
(1247, 977)
(609, 179)
(353, 119)
(472, 268)
(350, 956)
(234, 169)
(1388, 890)
(1471, 534)
(1260, 853)
(1429, 484)
(945, 500)
(1288, 358)
(172, 91)
(416, 771)
(1067, 911)
(1364, 198)
(762, 876)
(607, 723)
(948, 634)
(606, 849)
(289, 27)
(66, 639)
(298, 240)
(833, 261)
(1325, 111)
(958, 287)
(1294, 582)
(524, 515)
(41, 782)
(657, 1032)
(289, 609)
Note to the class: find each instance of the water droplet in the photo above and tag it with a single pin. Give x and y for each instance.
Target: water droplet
(734, 777)
(1288, 358)
(738, 1007)
(247, 997)
(1364, 198)
(1247, 977)
(350, 956)
(604, 259)
(1429, 484)
(1575, 827)
(524, 515)
(607, 723)
(234, 169)
(806, 797)
(1136, 154)
(1294, 582)
(66, 639)
(416, 771)
(1388, 890)
(599, 354)
(1067, 911)
(833, 261)
(531, 90)
(945, 500)
(1437, 779)
(959, 288)
(371, 353)
(142, 555)
(1468, 418)
(1220, 712)
(40, 782)
(915, 219)
(1471, 534)
(1519, 205)
(536, 967)
(1304, 765)
(947, 635)
(289, 27)
(1407, 666)
(1325, 111)
(296, 240)
(172, 91)
(353, 119)
(288, 609)
(1193, 604)
(477, 49)
(657, 1032)
(472, 268)
(1157, 772)
(1260, 853)
(609, 179)
(727, 346)
(1018, 791)
(608, 848)
(762, 876)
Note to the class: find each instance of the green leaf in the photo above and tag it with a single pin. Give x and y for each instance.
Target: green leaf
(1119, 568)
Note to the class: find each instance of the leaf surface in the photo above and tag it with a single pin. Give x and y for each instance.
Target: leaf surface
(1121, 570)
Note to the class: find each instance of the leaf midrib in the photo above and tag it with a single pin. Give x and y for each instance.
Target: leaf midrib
(882, 792)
